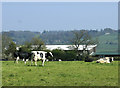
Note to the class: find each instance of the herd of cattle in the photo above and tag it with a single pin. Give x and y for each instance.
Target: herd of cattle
(33, 56)
(42, 55)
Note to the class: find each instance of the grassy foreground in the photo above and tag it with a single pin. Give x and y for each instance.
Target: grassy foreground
(64, 73)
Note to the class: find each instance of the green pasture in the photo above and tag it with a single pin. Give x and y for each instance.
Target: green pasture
(64, 73)
(103, 39)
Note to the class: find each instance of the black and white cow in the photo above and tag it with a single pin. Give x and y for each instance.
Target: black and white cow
(40, 55)
(105, 60)
(22, 55)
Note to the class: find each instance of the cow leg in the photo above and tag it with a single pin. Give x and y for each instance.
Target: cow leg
(43, 61)
(31, 62)
(25, 61)
(14, 60)
(112, 58)
(17, 59)
(36, 63)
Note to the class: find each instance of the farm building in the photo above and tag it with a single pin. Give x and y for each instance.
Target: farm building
(107, 54)
(90, 48)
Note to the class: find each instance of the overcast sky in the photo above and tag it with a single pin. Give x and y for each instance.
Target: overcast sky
(39, 16)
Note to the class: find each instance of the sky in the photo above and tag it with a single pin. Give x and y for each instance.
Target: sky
(52, 16)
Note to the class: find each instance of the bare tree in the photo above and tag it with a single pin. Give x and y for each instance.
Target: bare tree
(77, 41)
(78, 38)
(82, 38)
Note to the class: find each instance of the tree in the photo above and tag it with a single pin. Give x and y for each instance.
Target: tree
(35, 44)
(5, 44)
(28, 44)
(82, 38)
(87, 40)
(27, 47)
(5, 41)
(78, 40)
(38, 43)
(24, 49)
(11, 50)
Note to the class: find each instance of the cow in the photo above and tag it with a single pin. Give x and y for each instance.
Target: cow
(105, 60)
(111, 59)
(40, 55)
(22, 55)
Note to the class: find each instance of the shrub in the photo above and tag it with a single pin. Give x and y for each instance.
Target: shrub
(117, 58)
(58, 54)
(70, 55)
(64, 55)
(24, 49)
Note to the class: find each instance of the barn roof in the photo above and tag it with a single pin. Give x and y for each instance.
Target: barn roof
(107, 54)
(68, 47)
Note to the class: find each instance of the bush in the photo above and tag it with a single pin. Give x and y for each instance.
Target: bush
(117, 58)
(64, 55)
(70, 55)
(24, 49)
(8, 53)
(88, 59)
(58, 54)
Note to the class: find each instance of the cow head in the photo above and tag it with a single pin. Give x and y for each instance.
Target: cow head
(49, 54)
(16, 54)
(32, 55)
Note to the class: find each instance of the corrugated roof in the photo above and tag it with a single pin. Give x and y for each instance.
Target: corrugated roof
(107, 53)
(110, 53)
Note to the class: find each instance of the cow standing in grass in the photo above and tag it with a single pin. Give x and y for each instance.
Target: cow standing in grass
(40, 55)
(22, 55)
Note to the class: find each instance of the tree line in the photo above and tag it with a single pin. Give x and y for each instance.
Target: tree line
(79, 38)
(53, 37)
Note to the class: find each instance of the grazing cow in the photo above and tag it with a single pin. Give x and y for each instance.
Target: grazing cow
(22, 55)
(40, 55)
(105, 60)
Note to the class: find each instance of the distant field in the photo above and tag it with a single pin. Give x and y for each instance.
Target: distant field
(111, 38)
(64, 73)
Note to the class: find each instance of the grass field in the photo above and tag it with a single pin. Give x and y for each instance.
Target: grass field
(64, 73)
(103, 47)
